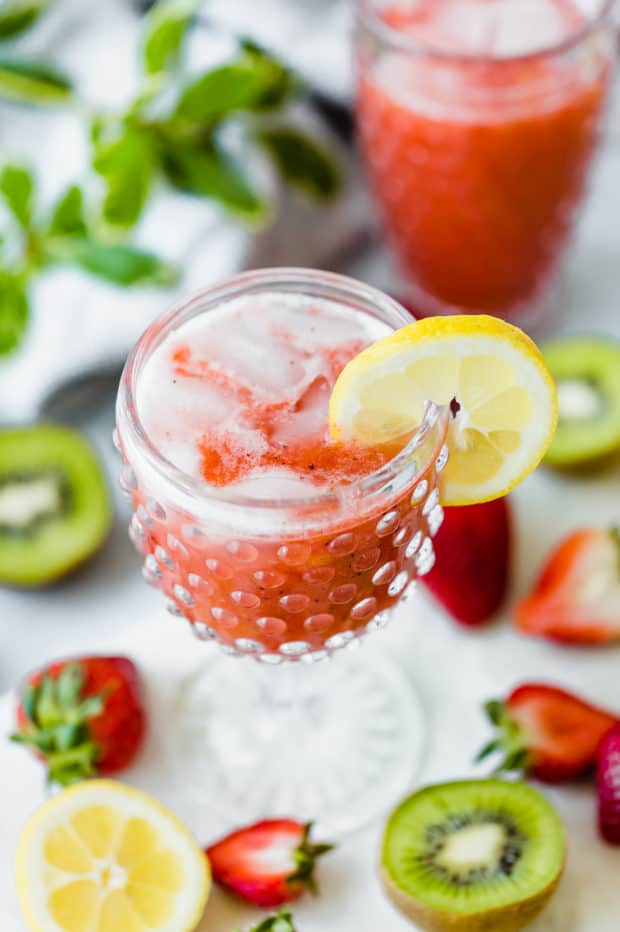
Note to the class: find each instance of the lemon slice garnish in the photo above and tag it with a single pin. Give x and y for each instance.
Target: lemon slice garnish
(103, 857)
(491, 373)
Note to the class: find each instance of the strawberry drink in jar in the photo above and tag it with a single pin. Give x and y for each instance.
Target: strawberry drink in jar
(279, 544)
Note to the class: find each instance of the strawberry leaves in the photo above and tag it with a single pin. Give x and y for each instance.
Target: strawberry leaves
(509, 741)
(57, 724)
(282, 921)
(305, 859)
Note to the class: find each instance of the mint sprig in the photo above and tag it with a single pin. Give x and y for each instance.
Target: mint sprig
(180, 127)
(195, 132)
(60, 237)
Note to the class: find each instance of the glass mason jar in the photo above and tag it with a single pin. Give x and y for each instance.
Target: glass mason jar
(478, 147)
(288, 583)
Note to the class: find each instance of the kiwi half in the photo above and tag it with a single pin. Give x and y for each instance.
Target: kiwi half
(587, 374)
(473, 856)
(54, 506)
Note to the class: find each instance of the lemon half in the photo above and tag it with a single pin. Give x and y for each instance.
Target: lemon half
(496, 375)
(103, 857)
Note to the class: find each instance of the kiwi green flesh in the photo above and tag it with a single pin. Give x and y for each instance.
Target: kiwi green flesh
(55, 509)
(475, 855)
(587, 373)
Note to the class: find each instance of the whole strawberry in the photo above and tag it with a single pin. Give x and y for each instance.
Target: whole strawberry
(577, 597)
(472, 561)
(267, 864)
(83, 717)
(608, 786)
(546, 733)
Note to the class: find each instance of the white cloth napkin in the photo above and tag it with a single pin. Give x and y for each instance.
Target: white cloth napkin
(79, 323)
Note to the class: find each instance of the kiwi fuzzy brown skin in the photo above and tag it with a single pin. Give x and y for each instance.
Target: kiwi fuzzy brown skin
(505, 919)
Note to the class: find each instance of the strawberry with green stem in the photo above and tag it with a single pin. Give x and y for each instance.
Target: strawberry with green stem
(267, 864)
(546, 733)
(82, 717)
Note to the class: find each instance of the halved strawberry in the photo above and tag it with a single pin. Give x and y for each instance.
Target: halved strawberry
(83, 717)
(472, 561)
(267, 864)
(546, 733)
(608, 786)
(577, 597)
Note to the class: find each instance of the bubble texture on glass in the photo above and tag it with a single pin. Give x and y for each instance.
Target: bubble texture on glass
(419, 492)
(442, 459)
(286, 600)
(387, 523)
(342, 545)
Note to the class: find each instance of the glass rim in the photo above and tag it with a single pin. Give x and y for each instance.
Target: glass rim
(367, 15)
(283, 280)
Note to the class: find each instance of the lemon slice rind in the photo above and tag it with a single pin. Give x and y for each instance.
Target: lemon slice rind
(38, 879)
(507, 397)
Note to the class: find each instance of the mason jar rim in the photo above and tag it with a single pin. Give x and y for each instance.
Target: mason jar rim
(312, 283)
(367, 15)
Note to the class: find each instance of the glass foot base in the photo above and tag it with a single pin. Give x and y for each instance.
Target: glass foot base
(335, 744)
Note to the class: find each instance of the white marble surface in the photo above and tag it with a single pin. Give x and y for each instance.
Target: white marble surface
(109, 607)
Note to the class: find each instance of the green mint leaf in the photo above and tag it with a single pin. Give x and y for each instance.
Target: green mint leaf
(67, 216)
(211, 173)
(253, 81)
(121, 265)
(33, 83)
(14, 312)
(279, 83)
(19, 15)
(16, 186)
(126, 164)
(301, 161)
(166, 27)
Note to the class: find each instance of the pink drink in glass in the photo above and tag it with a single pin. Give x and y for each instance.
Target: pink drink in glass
(237, 398)
(479, 120)
(277, 543)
